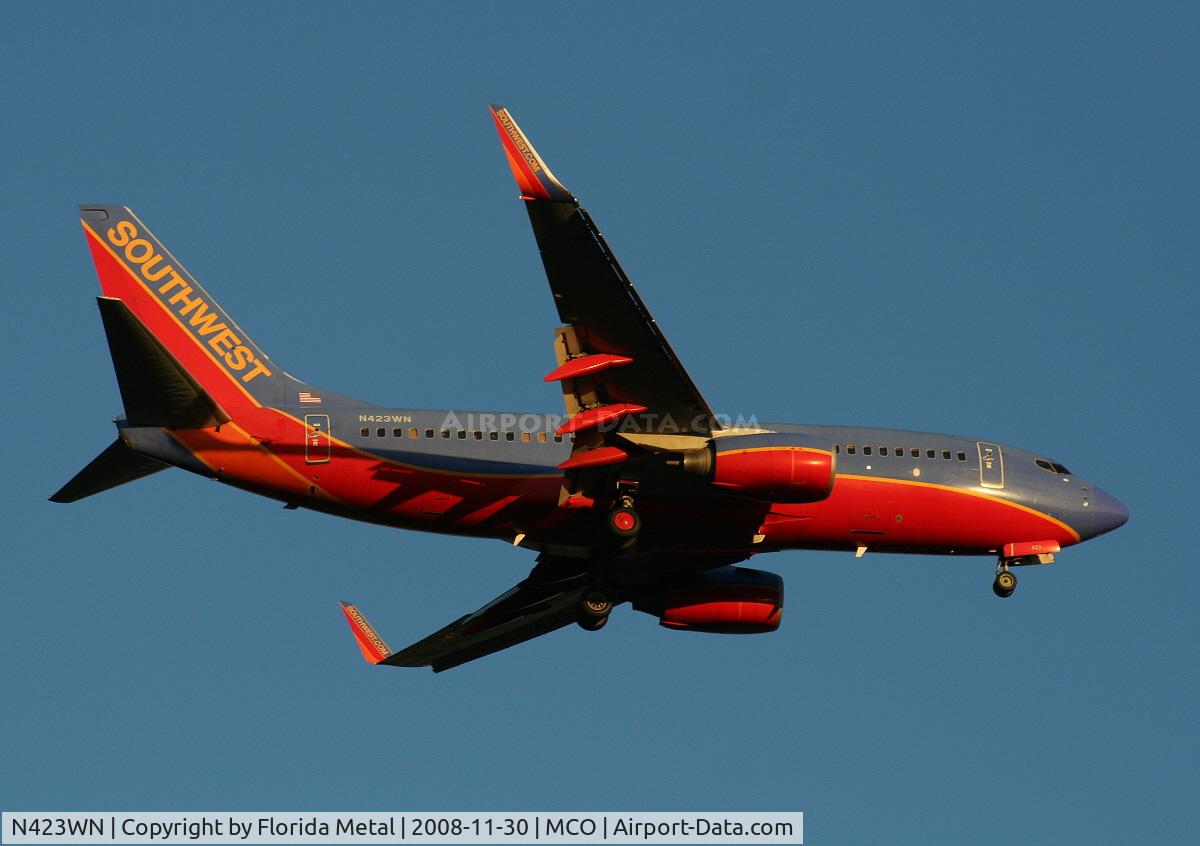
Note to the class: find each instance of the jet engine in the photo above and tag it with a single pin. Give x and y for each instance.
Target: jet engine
(775, 467)
(728, 600)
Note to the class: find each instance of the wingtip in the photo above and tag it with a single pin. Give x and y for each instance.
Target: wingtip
(372, 646)
(532, 175)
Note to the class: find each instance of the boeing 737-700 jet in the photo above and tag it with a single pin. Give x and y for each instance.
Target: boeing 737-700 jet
(638, 493)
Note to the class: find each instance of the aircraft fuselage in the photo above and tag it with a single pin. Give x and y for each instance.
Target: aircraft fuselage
(494, 474)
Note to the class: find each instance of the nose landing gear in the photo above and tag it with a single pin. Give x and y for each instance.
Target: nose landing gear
(1005, 583)
(1020, 555)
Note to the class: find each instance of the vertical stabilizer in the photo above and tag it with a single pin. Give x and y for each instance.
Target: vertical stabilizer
(135, 268)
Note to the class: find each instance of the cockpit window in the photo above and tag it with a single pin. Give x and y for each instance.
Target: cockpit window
(1052, 467)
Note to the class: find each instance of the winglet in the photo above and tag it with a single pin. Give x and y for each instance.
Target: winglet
(533, 177)
(373, 647)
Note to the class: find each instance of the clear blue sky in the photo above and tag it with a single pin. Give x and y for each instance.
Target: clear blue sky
(977, 218)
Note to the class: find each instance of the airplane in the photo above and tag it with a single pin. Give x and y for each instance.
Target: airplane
(638, 493)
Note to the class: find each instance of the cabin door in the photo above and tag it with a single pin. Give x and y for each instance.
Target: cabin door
(316, 439)
(991, 465)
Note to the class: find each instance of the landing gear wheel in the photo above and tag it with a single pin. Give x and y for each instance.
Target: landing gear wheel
(593, 625)
(624, 522)
(594, 604)
(1005, 583)
(593, 610)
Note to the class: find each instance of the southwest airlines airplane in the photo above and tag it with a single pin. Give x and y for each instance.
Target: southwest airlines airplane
(638, 493)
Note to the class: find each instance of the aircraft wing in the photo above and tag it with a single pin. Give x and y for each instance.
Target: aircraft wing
(546, 600)
(614, 361)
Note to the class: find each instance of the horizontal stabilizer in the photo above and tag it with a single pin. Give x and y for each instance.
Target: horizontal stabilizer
(115, 466)
(156, 389)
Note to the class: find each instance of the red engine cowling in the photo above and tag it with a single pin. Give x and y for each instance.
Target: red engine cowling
(776, 467)
(729, 600)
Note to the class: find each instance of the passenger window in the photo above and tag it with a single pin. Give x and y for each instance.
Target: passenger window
(558, 439)
(477, 435)
(493, 435)
(526, 437)
(914, 452)
(541, 437)
(381, 432)
(837, 449)
(898, 452)
(866, 450)
(364, 432)
(851, 449)
(429, 433)
(446, 434)
(510, 436)
(883, 451)
(962, 456)
(931, 453)
(946, 454)
(462, 434)
(413, 433)
(397, 433)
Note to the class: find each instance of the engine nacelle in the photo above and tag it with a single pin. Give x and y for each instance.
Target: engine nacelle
(728, 600)
(776, 467)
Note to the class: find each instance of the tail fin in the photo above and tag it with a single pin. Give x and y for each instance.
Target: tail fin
(115, 466)
(171, 306)
(156, 389)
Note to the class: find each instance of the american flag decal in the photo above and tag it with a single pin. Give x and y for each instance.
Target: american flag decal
(308, 399)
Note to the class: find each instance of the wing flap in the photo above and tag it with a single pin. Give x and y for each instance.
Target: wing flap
(545, 601)
(616, 353)
(511, 619)
(595, 297)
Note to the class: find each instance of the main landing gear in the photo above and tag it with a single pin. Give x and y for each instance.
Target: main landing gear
(1005, 583)
(594, 607)
(623, 524)
(623, 521)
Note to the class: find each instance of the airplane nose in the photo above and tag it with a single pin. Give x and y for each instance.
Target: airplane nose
(1108, 512)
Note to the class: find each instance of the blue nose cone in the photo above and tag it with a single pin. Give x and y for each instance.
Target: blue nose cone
(1108, 512)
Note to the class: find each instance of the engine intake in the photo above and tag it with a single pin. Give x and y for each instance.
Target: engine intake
(773, 466)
